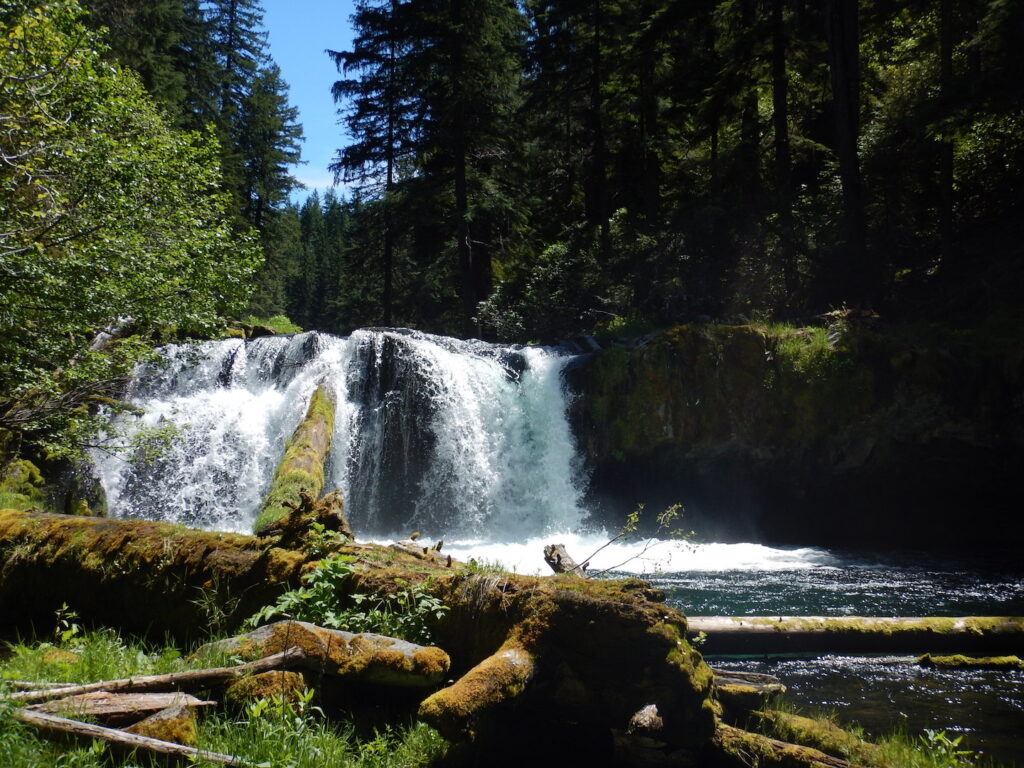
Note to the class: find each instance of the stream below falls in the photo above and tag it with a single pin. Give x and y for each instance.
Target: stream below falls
(470, 442)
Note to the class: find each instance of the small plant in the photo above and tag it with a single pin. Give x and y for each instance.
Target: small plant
(68, 629)
(945, 751)
(407, 612)
(321, 542)
(665, 522)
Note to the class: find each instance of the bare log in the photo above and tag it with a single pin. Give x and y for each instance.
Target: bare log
(189, 679)
(105, 705)
(561, 562)
(367, 657)
(62, 726)
(796, 634)
(456, 711)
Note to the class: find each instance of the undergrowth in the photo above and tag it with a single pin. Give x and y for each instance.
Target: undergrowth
(268, 732)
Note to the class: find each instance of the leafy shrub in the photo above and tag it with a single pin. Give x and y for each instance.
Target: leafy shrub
(324, 600)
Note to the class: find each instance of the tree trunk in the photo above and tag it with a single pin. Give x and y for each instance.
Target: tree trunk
(783, 161)
(561, 562)
(853, 277)
(946, 38)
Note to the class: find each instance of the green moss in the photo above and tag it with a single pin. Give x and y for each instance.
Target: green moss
(302, 466)
(20, 485)
(820, 733)
(959, 661)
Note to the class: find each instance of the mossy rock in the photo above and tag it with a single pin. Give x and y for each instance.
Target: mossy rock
(290, 686)
(176, 724)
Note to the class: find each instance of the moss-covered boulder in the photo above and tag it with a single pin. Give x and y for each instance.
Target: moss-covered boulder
(362, 657)
(289, 686)
(175, 724)
(302, 467)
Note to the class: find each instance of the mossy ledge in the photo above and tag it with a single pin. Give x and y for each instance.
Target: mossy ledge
(852, 432)
(854, 634)
(302, 466)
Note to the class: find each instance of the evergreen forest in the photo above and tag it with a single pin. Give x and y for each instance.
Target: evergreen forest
(517, 171)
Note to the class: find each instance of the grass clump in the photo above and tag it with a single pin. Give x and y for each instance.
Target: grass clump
(278, 323)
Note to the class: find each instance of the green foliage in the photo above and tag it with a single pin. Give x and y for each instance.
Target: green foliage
(110, 222)
(321, 542)
(325, 599)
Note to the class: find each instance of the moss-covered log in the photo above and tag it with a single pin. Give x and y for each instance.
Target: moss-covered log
(139, 576)
(820, 734)
(818, 634)
(740, 749)
(302, 467)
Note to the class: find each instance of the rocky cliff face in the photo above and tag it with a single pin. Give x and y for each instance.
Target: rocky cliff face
(847, 434)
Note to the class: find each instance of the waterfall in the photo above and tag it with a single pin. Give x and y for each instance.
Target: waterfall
(454, 438)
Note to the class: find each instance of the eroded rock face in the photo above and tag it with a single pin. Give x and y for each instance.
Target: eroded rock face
(838, 435)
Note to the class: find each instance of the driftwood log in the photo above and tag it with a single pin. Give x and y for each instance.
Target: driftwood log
(561, 562)
(818, 634)
(174, 680)
(118, 706)
(127, 742)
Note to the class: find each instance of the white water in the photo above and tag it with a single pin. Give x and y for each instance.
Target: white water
(647, 557)
(465, 437)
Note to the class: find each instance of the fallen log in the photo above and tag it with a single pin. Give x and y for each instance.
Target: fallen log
(561, 562)
(818, 634)
(129, 742)
(821, 734)
(189, 679)
(364, 656)
(161, 570)
(301, 469)
(743, 748)
(107, 706)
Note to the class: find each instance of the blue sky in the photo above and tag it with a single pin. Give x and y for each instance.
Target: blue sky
(299, 33)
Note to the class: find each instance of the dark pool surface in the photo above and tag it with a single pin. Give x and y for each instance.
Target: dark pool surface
(851, 587)
(882, 694)
(879, 693)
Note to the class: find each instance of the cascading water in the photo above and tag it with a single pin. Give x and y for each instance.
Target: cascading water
(458, 438)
